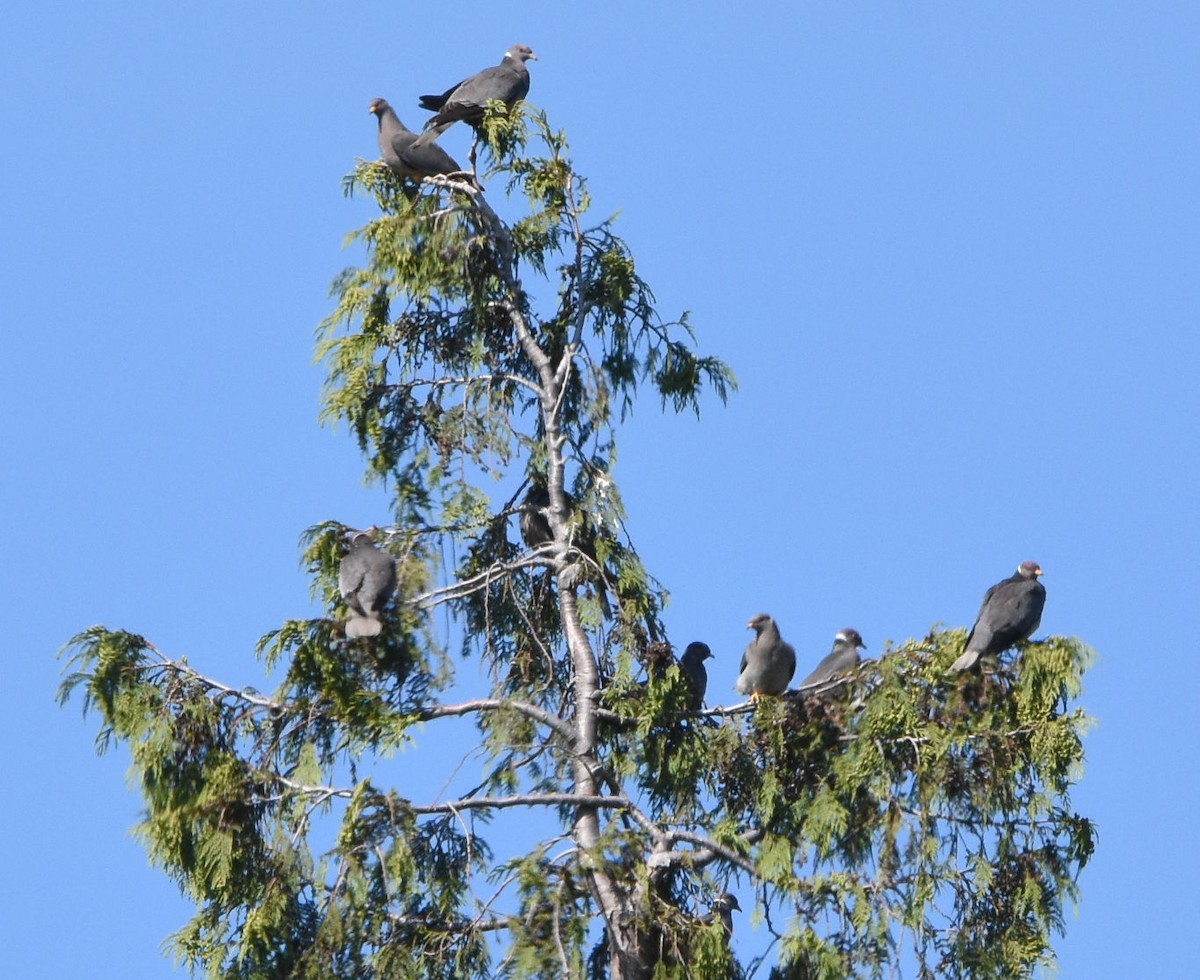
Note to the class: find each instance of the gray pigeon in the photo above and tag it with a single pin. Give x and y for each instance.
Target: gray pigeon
(507, 82)
(768, 663)
(722, 910)
(1011, 611)
(367, 579)
(843, 657)
(692, 665)
(406, 153)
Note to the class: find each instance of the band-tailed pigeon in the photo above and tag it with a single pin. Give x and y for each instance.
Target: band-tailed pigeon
(692, 665)
(406, 153)
(507, 82)
(768, 663)
(367, 579)
(1011, 611)
(722, 910)
(535, 522)
(534, 519)
(843, 657)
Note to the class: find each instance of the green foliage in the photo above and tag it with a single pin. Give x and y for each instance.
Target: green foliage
(905, 819)
(909, 791)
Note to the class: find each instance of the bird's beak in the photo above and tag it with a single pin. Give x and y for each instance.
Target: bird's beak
(532, 56)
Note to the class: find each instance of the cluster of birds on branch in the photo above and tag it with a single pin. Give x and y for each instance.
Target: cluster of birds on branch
(414, 156)
(1010, 613)
(1011, 610)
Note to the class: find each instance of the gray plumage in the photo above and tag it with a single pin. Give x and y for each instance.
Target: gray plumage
(367, 580)
(722, 910)
(406, 153)
(842, 658)
(1011, 611)
(768, 663)
(692, 665)
(507, 82)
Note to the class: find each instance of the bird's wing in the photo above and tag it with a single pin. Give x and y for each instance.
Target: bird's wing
(829, 665)
(351, 576)
(1017, 612)
(422, 155)
(789, 658)
(435, 102)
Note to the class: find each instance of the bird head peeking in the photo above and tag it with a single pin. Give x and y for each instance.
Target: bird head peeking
(521, 52)
(759, 622)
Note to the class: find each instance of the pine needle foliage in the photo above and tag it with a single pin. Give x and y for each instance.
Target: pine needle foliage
(902, 822)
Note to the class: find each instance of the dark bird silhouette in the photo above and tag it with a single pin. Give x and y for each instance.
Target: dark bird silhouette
(533, 515)
(842, 658)
(367, 580)
(692, 665)
(722, 910)
(768, 663)
(507, 82)
(534, 518)
(407, 154)
(1011, 611)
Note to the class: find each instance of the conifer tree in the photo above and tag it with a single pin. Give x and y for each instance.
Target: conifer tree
(903, 822)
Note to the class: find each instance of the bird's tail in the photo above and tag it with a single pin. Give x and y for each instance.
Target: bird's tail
(431, 133)
(966, 661)
(357, 626)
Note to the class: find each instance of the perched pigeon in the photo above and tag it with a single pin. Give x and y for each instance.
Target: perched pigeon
(692, 665)
(1011, 611)
(535, 522)
(507, 82)
(534, 519)
(406, 153)
(367, 580)
(768, 663)
(722, 910)
(843, 657)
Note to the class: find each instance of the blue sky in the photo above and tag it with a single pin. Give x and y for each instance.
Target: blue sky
(950, 251)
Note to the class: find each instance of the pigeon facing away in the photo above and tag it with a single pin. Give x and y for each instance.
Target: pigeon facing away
(1011, 611)
(367, 579)
(768, 663)
(406, 153)
(534, 519)
(843, 657)
(535, 522)
(692, 665)
(507, 82)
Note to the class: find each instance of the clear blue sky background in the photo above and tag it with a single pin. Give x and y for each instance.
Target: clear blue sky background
(951, 251)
